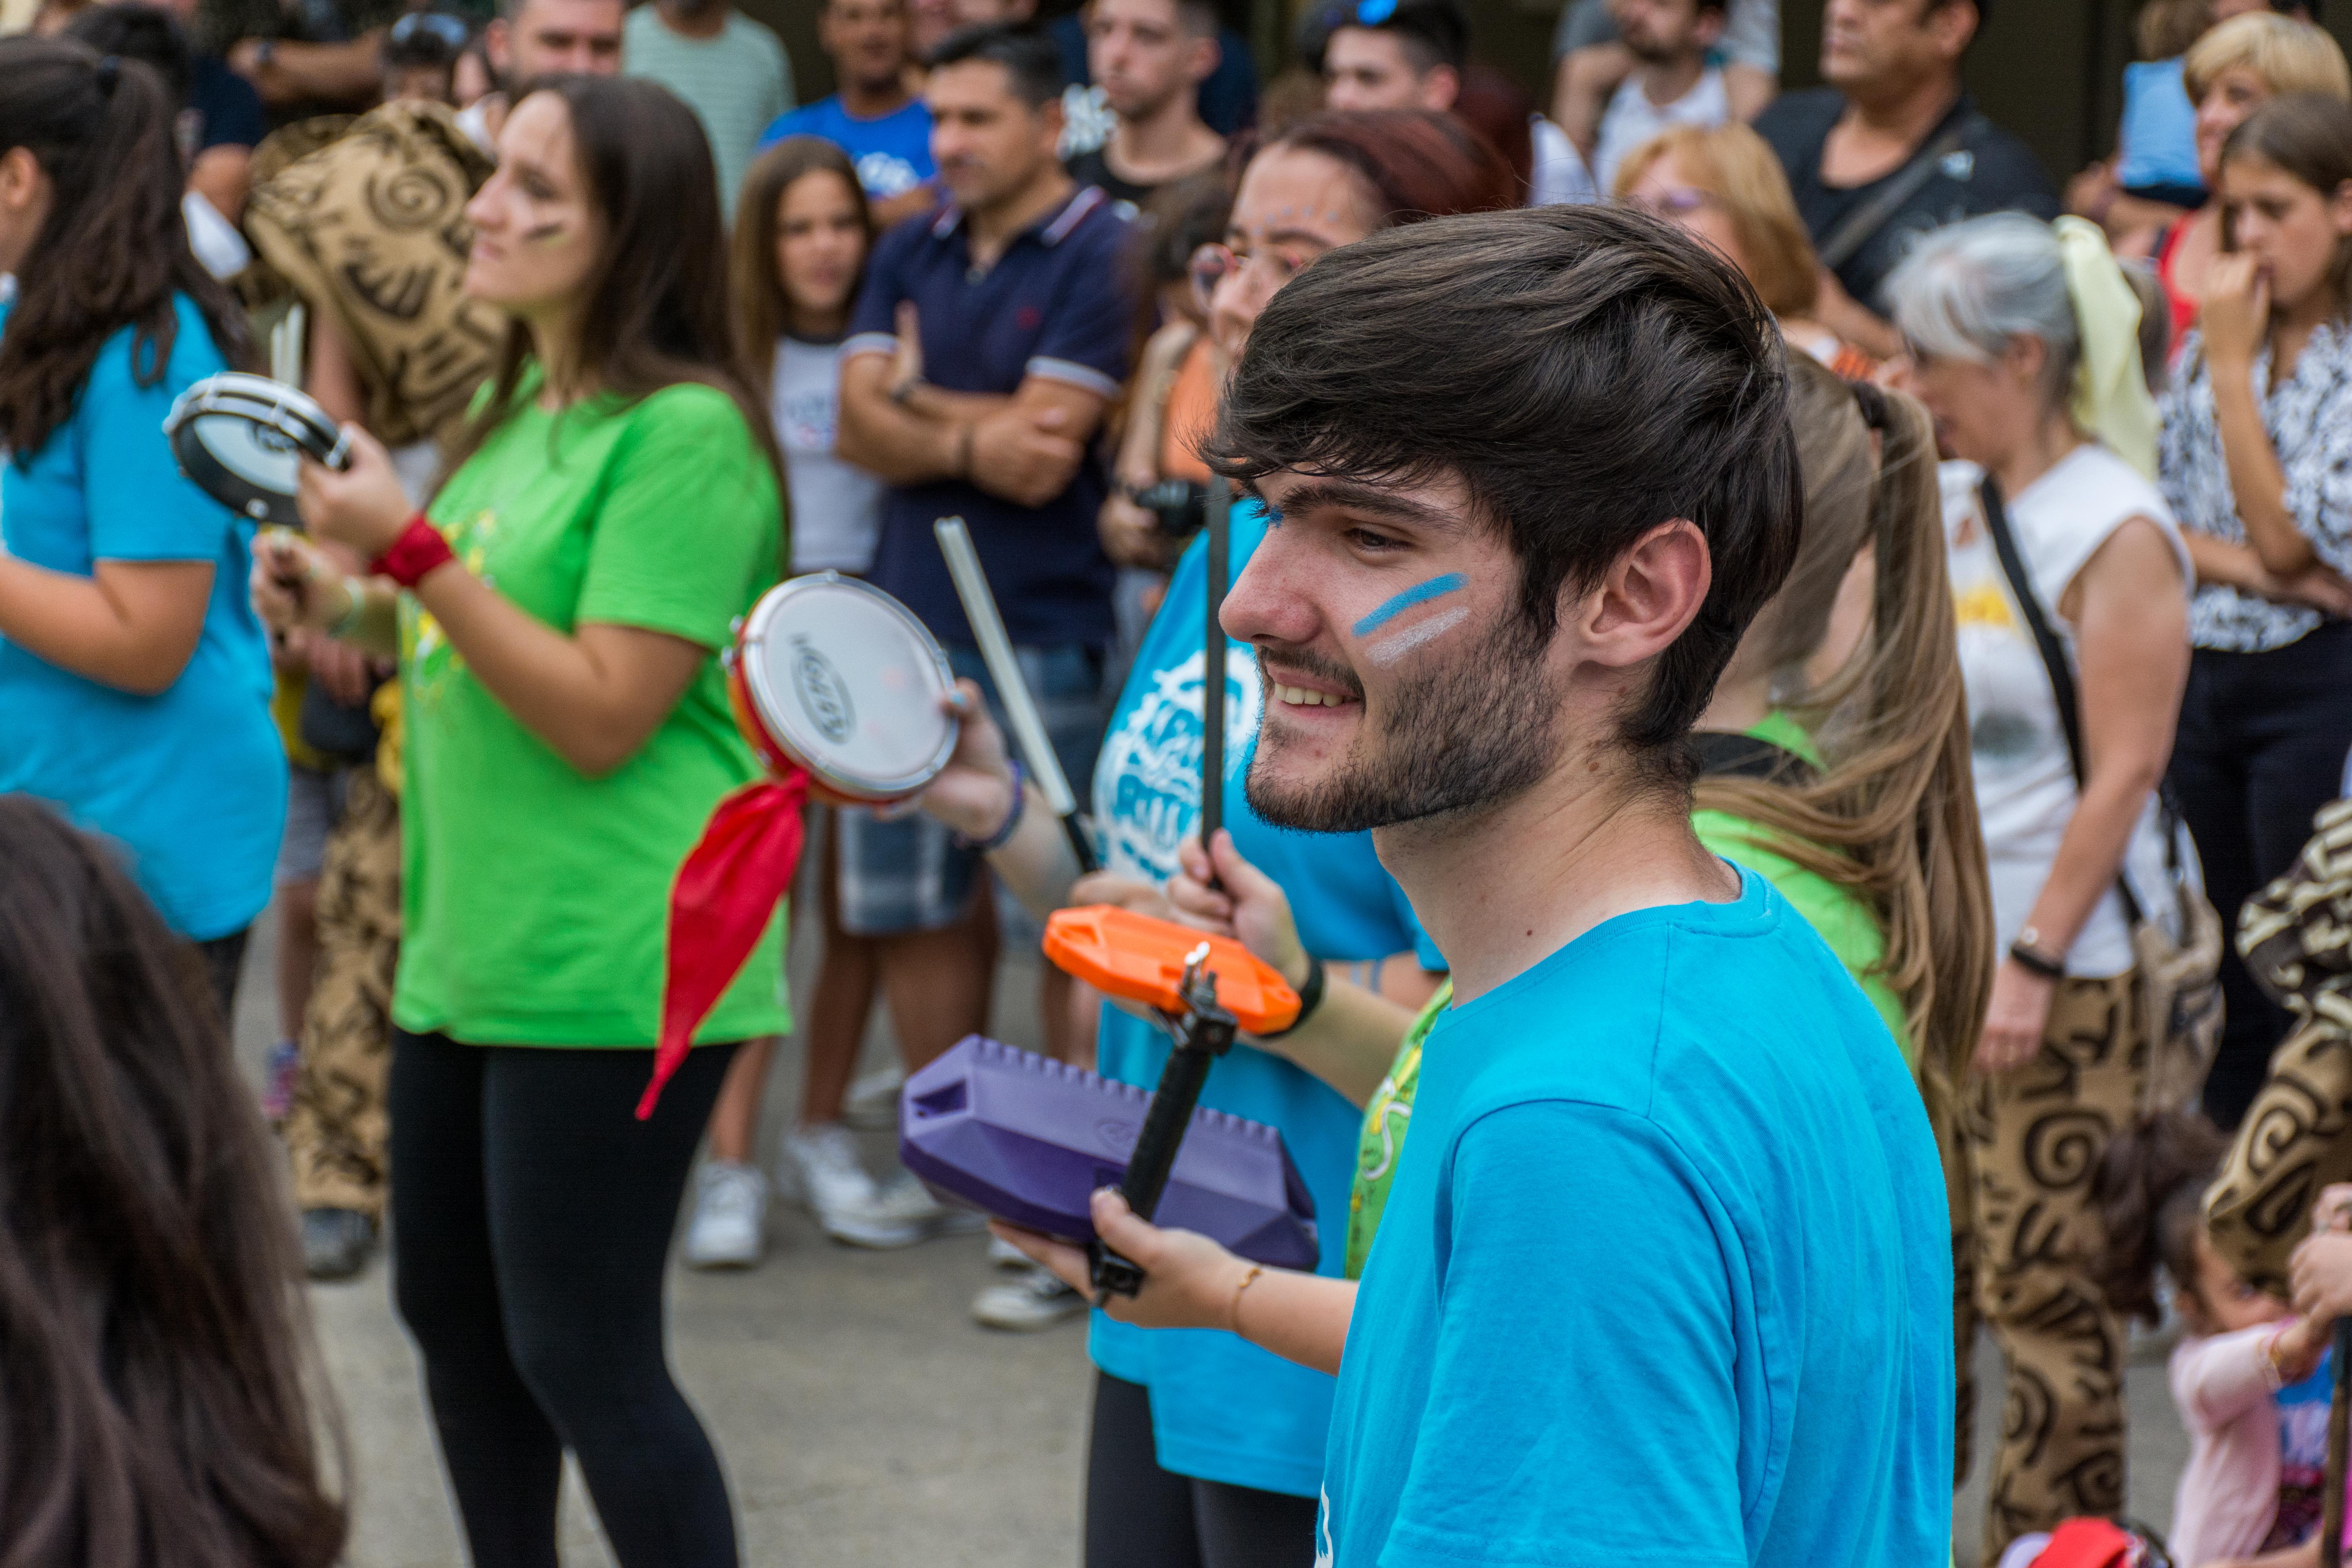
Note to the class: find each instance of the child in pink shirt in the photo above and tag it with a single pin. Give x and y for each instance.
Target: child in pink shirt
(2250, 1377)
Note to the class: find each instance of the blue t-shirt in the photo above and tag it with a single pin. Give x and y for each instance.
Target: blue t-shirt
(1055, 306)
(190, 783)
(2159, 135)
(893, 154)
(1666, 1276)
(1222, 1409)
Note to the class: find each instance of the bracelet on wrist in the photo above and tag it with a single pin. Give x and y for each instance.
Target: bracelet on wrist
(2033, 961)
(1234, 1310)
(1310, 996)
(419, 549)
(1012, 815)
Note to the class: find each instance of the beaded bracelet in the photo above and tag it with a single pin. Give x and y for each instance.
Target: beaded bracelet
(1004, 835)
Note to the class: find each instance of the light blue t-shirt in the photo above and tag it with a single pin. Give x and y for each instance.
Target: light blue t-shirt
(191, 783)
(2157, 138)
(893, 154)
(1223, 1409)
(1665, 1276)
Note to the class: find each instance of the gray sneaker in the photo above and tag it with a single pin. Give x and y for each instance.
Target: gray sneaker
(336, 1242)
(1033, 1300)
(728, 1228)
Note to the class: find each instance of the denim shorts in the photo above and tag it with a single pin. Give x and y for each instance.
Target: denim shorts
(905, 872)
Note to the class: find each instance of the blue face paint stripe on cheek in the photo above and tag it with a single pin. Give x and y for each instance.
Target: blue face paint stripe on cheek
(1436, 588)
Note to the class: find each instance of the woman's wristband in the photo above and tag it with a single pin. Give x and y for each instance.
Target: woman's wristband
(1012, 815)
(419, 549)
(1310, 996)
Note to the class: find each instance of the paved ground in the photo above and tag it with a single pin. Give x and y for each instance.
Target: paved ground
(864, 1419)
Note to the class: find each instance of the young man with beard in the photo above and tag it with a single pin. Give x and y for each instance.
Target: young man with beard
(875, 117)
(1665, 1274)
(1671, 84)
(1150, 57)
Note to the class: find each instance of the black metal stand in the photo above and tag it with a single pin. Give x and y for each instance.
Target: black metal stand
(1203, 1032)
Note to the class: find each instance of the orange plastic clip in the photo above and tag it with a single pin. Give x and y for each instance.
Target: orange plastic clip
(1142, 959)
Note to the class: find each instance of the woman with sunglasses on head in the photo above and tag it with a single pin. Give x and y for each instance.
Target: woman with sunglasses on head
(135, 680)
(2257, 443)
(1207, 1452)
(1725, 188)
(612, 507)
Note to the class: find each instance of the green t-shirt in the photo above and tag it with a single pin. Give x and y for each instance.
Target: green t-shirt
(537, 898)
(1842, 919)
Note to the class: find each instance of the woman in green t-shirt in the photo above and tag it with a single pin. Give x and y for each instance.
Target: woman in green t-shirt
(610, 509)
(1833, 761)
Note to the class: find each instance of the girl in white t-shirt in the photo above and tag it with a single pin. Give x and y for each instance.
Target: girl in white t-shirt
(2027, 347)
(801, 239)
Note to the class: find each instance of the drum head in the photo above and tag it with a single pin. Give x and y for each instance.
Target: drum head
(847, 682)
(241, 438)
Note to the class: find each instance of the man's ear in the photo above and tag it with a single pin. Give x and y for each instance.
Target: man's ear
(1646, 599)
(1440, 88)
(1208, 54)
(497, 48)
(1953, 24)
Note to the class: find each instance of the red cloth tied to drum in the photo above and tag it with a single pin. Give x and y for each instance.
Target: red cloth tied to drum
(726, 888)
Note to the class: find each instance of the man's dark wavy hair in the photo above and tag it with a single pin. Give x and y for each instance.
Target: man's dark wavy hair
(1587, 372)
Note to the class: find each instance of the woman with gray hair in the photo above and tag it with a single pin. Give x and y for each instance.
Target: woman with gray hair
(2027, 350)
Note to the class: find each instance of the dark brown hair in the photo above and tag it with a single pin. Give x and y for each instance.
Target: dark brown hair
(655, 309)
(154, 1411)
(1892, 815)
(114, 251)
(762, 309)
(2150, 1192)
(1415, 164)
(2307, 136)
(1586, 371)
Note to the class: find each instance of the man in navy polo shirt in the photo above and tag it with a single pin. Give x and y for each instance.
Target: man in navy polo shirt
(1015, 297)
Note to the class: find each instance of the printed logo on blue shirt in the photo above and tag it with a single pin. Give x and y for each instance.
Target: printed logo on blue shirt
(1147, 783)
(887, 175)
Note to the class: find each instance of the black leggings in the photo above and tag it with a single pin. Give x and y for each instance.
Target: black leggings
(532, 1220)
(2261, 748)
(1140, 1516)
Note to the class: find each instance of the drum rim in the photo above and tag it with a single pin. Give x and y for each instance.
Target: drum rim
(313, 428)
(764, 694)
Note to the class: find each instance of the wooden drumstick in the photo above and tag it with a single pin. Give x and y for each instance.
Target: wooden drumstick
(1213, 668)
(1020, 708)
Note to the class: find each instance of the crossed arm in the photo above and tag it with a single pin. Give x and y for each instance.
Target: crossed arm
(1024, 447)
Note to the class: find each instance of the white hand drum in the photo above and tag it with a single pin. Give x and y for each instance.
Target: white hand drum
(839, 679)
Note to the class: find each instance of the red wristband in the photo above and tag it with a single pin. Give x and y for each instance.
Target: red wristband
(419, 548)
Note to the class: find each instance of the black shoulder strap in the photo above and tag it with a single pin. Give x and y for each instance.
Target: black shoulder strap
(1724, 754)
(1867, 220)
(2045, 639)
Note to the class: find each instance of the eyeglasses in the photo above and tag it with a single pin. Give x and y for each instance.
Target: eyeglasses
(1262, 272)
(1677, 203)
(451, 32)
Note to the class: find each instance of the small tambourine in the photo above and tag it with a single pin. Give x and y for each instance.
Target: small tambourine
(240, 439)
(838, 679)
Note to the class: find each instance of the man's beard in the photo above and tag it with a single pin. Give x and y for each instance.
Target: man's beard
(1461, 734)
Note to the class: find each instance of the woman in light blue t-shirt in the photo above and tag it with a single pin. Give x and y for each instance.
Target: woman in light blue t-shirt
(134, 679)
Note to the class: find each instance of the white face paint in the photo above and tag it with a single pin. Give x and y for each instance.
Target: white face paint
(1412, 619)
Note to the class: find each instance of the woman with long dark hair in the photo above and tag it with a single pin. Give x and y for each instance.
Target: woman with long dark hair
(135, 680)
(612, 506)
(155, 1401)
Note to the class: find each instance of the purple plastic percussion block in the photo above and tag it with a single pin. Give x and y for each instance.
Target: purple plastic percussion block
(1029, 1139)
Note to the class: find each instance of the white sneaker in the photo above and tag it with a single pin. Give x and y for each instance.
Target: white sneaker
(1034, 1300)
(821, 1169)
(731, 1211)
(1003, 1254)
(872, 1103)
